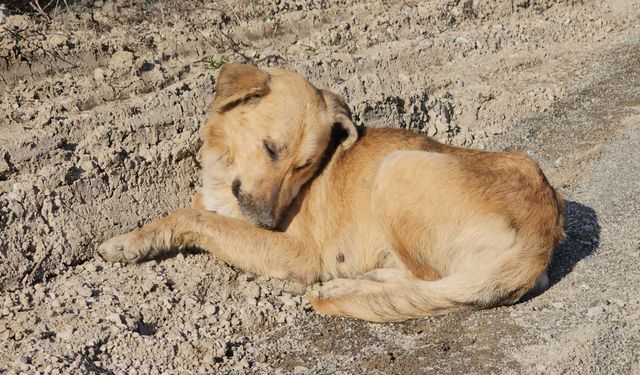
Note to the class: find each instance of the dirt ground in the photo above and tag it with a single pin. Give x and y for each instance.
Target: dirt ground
(101, 104)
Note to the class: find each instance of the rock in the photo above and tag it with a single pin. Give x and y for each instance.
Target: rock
(121, 59)
(4, 166)
(595, 311)
(300, 370)
(67, 334)
(8, 302)
(288, 300)
(558, 162)
(281, 317)
(17, 22)
(252, 290)
(57, 41)
(85, 291)
(87, 163)
(6, 334)
(618, 302)
(149, 286)
(56, 303)
(115, 318)
(219, 348)
(98, 74)
(23, 362)
(4, 13)
(251, 319)
(17, 335)
(210, 309)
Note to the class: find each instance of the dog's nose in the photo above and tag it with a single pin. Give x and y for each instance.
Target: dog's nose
(267, 218)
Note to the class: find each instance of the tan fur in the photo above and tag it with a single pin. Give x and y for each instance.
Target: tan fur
(395, 224)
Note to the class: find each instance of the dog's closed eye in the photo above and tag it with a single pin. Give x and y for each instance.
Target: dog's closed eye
(271, 150)
(302, 165)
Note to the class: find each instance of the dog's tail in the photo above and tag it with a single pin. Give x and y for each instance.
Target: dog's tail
(399, 298)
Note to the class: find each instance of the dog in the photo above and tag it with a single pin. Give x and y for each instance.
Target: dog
(388, 224)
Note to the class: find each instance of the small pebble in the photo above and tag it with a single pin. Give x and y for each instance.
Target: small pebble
(85, 291)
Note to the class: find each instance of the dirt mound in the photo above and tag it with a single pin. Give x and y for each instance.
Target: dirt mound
(100, 112)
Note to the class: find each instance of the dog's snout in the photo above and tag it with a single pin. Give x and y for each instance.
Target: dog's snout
(262, 213)
(235, 188)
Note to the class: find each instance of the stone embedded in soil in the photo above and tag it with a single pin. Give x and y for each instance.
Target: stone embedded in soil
(210, 309)
(301, 370)
(115, 318)
(85, 291)
(121, 60)
(98, 74)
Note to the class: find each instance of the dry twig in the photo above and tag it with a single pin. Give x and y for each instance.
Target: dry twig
(35, 5)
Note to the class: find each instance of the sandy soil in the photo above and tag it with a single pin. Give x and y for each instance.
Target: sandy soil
(100, 109)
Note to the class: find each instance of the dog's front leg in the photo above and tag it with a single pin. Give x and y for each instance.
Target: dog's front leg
(235, 241)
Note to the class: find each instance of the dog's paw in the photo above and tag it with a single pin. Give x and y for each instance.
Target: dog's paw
(124, 249)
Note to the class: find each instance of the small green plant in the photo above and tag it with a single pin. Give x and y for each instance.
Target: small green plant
(259, 13)
(217, 63)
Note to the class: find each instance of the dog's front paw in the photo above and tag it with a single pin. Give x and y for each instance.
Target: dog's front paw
(124, 249)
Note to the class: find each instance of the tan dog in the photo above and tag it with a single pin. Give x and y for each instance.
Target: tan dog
(397, 225)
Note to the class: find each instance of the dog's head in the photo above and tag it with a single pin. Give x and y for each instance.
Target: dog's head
(268, 134)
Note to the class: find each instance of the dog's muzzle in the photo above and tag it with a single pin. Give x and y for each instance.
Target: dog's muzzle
(261, 214)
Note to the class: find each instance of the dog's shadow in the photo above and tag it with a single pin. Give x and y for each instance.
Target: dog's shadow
(582, 239)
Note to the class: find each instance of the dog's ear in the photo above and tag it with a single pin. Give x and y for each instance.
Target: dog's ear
(238, 82)
(341, 117)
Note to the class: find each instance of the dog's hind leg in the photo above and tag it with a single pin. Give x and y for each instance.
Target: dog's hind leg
(399, 298)
(234, 241)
